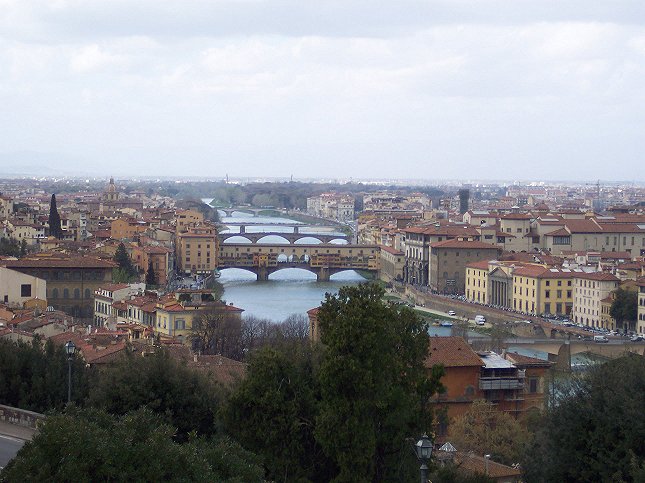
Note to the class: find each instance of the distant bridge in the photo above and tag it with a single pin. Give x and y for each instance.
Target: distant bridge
(324, 259)
(249, 209)
(560, 350)
(292, 237)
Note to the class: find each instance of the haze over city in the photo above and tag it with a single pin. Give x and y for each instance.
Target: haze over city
(435, 90)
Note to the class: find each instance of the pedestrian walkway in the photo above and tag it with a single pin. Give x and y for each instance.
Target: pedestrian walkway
(15, 431)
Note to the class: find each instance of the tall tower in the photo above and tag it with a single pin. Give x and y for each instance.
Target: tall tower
(464, 199)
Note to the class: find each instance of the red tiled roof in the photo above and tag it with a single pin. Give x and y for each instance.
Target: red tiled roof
(473, 463)
(464, 244)
(452, 352)
(481, 265)
(59, 262)
(390, 250)
(522, 360)
(600, 276)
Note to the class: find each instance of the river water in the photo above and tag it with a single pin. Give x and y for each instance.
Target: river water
(288, 291)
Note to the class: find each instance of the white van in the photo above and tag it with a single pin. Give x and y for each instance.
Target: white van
(600, 338)
(480, 319)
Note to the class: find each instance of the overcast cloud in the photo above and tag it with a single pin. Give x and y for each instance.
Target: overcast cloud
(488, 89)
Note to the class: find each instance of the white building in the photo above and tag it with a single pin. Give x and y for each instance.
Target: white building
(16, 288)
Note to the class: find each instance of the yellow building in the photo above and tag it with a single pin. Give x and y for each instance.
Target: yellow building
(525, 287)
(197, 249)
(477, 274)
(187, 218)
(175, 314)
(541, 290)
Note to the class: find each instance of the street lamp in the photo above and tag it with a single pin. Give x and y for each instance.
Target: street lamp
(70, 350)
(423, 449)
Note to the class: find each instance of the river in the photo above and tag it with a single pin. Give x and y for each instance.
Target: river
(288, 291)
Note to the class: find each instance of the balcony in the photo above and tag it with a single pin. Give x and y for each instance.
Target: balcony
(499, 383)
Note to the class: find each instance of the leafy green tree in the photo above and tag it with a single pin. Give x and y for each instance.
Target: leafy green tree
(624, 308)
(184, 397)
(92, 445)
(54, 219)
(9, 247)
(151, 275)
(597, 433)
(23, 247)
(34, 377)
(126, 270)
(374, 384)
(485, 430)
(273, 412)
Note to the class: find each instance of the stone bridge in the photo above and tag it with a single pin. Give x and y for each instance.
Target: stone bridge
(560, 351)
(255, 237)
(249, 209)
(323, 259)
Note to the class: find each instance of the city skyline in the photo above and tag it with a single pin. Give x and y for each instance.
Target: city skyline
(340, 90)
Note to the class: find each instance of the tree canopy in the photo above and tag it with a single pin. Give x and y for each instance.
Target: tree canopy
(151, 275)
(35, 377)
(126, 271)
(485, 430)
(374, 383)
(273, 413)
(625, 306)
(92, 445)
(597, 432)
(184, 397)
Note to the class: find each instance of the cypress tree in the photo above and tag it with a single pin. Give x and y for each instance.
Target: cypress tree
(151, 276)
(123, 259)
(54, 219)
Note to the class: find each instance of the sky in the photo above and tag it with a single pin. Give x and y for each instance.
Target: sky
(403, 89)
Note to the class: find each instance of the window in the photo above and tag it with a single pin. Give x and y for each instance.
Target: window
(533, 385)
(65, 293)
(25, 290)
(547, 294)
(559, 294)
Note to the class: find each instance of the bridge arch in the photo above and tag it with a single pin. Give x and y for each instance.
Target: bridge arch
(273, 239)
(303, 272)
(308, 239)
(339, 241)
(237, 239)
(346, 275)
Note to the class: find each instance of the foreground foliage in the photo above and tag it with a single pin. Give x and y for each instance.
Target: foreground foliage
(485, 430)
(185, 398)
(33, 377)
(92, 445)
(597, 433)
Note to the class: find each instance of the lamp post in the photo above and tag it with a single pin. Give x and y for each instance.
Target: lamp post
(70, 350)
(423, 449)
(487, 458)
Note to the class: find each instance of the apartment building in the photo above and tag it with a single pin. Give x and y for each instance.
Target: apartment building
(513, 383)
(589, 290)
(71, 279)
(104, 298)
(448, 261)
(197, 249)
(331, 205)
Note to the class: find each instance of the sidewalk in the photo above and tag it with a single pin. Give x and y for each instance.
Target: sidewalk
(15, 431)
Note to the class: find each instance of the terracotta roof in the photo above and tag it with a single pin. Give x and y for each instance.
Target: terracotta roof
(516, 216)
(481, 265)
(464, 244)
(600, 276)
(544, 272)
(522, 360)
(452, 352)
(57, 261)
(391, 250)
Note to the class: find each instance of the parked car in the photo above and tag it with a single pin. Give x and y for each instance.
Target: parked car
(452, 312)
(636, 338)
(600, 339)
